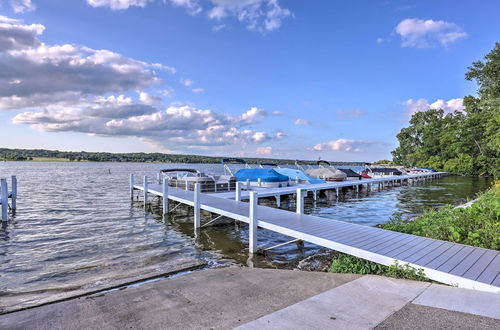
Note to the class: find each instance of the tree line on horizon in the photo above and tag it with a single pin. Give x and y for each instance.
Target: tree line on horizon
(463, 142)
(137, 157)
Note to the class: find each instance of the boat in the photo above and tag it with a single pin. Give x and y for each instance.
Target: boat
(296, 176)
(258, 177)
(185, 178)
(326, 172)
(417, 170)
(351, 175)
(382, 171)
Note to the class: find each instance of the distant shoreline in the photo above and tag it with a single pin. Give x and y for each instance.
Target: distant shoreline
(43, 155)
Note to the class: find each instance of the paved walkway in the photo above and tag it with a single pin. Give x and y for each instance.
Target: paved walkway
(251, 298)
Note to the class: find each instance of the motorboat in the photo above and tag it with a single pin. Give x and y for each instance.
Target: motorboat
(258, 177)
(382, 171)
(186, 178)
(351, 175)
(296, 176)
(326, 172)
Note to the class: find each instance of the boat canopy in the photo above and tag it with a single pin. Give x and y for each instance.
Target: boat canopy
(297, 175)
(350, 173)
(264, 174)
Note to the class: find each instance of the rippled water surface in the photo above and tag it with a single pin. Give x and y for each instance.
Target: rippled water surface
(75, 226)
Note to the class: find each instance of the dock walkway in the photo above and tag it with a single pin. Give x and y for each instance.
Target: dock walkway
(275, 192)
(442, 261)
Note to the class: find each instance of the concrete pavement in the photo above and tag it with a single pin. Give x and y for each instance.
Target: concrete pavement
(252, 298)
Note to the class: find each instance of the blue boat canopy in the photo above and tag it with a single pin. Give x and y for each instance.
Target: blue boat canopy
(265, 175)
(297, 174)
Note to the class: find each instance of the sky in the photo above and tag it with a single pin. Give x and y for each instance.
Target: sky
(269, 78)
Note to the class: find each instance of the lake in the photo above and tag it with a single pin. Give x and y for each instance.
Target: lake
(76, 227)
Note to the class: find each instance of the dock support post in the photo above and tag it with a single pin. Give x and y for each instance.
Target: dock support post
(248, 184)
(300, 200)
(131, 187)
(158, 178)
(14, 193)
(278, 200)
(252, 221)
(357, 189)
(315, 195)
(337, 193)
(259, 181)
(165, 196)
(145, 187)
(238, 192)
(4, 194)
(197, 215)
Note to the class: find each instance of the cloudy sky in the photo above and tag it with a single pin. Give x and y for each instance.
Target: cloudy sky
(281, 78)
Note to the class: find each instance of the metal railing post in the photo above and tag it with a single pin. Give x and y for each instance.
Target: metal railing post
(165, 196)
(197, 215)
(238, 192)
(4, 194)
(252, 222)
(145, 187)
(300, 200)
(14, 193)
(131, 187)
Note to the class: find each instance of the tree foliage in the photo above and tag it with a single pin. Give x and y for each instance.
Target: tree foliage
(463, 142)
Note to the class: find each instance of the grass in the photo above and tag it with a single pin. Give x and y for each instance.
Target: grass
(344, 263)
(50, 159)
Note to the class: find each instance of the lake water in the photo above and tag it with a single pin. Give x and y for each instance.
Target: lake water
(75, 225)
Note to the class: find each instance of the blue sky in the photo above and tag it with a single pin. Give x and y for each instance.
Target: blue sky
(274, 78)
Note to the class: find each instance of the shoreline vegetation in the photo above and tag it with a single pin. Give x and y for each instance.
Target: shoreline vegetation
(465, 142)
(43, 155)
(476, 225)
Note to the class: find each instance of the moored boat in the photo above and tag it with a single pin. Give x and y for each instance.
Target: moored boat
(327, 172)
(186, 178)
(259, 177)
(296, 176)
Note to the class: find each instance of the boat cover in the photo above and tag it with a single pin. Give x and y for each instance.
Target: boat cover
(386, 170)
(297, 174)
(327, 173)
(350, 173)
(265, 175)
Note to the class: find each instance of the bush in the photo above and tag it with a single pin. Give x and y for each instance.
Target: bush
(477, 225)
(344, 263)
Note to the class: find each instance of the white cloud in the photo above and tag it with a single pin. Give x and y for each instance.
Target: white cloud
(343, 145)
(350, 114)
(264, 151)
(302, 122)
(35, 74)
(193, 6)
(198, 90)
(176, 128)
(187, 82)
(118, 4)
(419, 33)
(218, 27)
(258, 15)
(413, 106)
(22, 6)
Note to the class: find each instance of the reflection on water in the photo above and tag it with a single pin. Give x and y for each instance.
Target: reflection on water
(75, 226)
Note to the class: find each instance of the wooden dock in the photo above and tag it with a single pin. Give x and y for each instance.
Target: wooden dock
(446, 262)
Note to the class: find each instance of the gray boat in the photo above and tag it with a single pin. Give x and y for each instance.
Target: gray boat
(186, 178)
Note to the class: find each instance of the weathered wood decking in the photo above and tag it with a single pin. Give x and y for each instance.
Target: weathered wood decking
(446, 262)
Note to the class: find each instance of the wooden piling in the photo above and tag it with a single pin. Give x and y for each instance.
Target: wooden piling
(165, 196)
